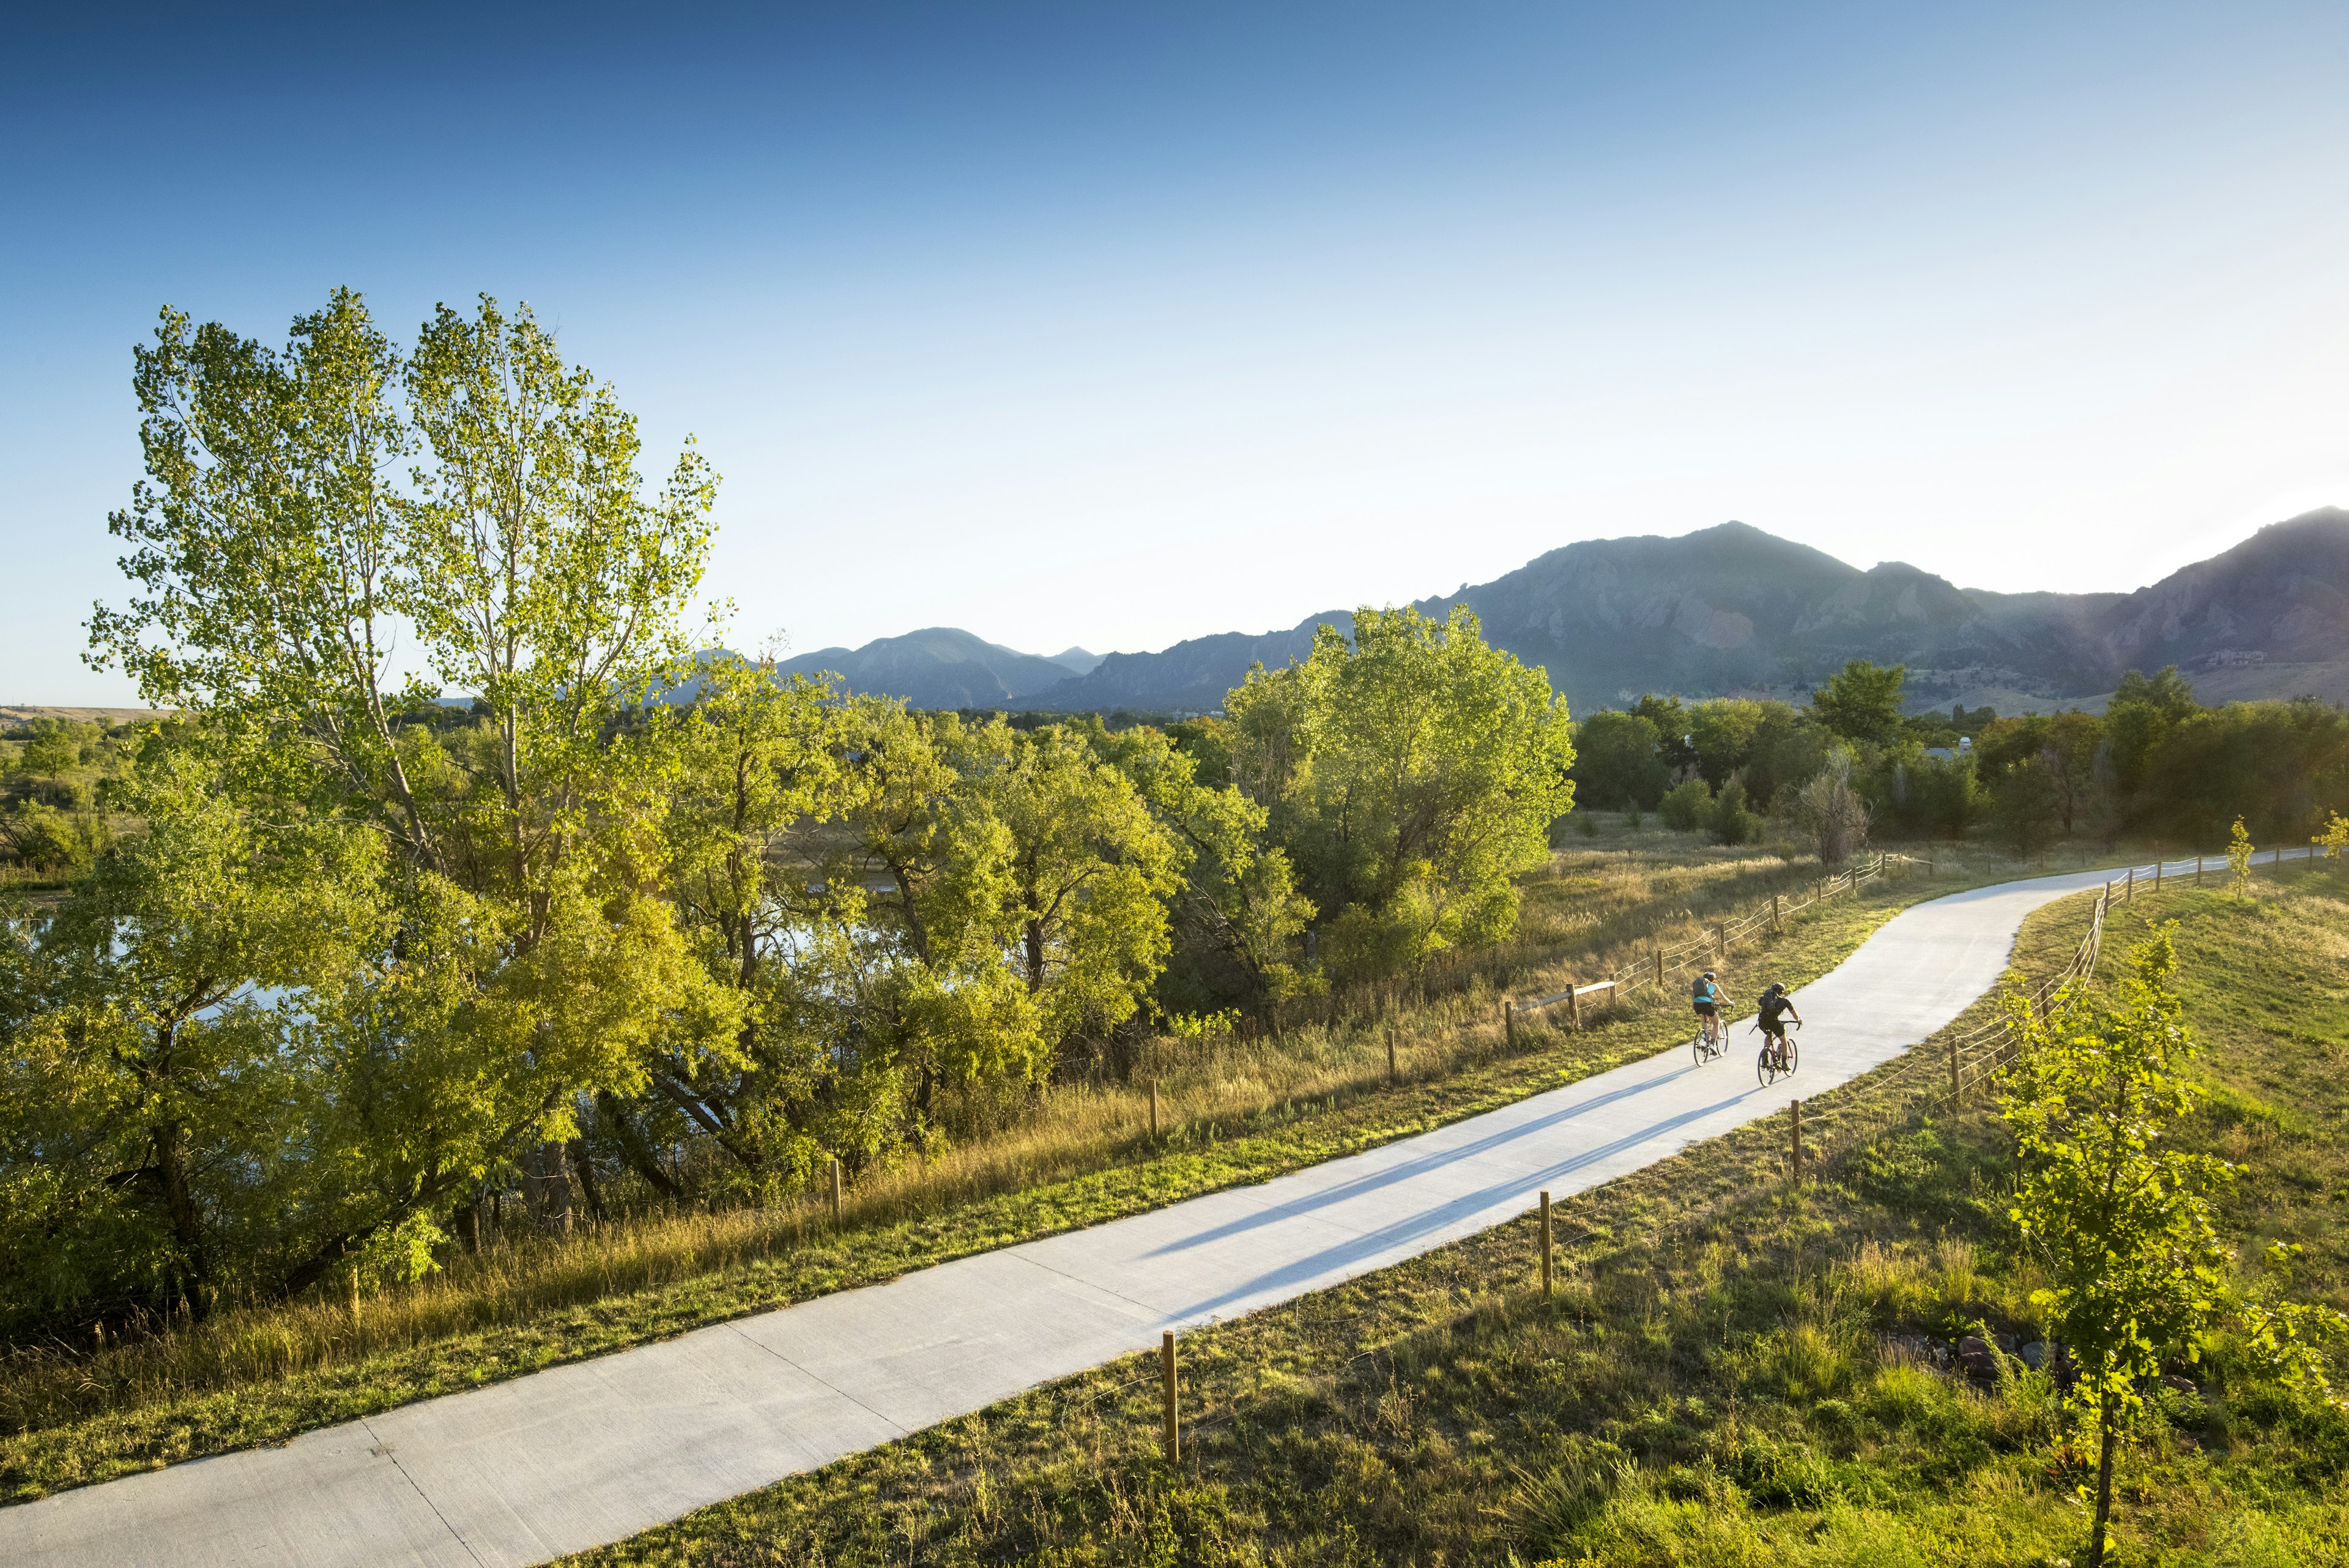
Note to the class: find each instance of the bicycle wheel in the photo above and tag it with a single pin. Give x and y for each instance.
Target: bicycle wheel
(1766, 1066)
(1696, 1049)
(1794, 1056)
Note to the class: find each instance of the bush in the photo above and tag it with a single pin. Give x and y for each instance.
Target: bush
(1688, 807)
(1731, 822)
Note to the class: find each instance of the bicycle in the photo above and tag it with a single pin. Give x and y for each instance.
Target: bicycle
(1711, 1041)
(1779, 1056)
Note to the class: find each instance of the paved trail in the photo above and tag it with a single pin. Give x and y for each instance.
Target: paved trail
(577, 1455)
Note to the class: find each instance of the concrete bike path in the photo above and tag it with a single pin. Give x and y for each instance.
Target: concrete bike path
(577, 1455)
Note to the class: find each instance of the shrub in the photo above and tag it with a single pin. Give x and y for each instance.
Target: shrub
(1686, 807)
(1731, 822)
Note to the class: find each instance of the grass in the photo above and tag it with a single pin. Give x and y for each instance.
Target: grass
(1739, 1379)
(1238, 1113)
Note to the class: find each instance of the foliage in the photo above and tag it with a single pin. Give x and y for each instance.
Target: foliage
(2026, 795)
(1687, 807)
(1731, 822)
(54, 817)
(1861, 703)
(2334, 838)
(2124, 1222)
(1617, 762)
(2238, 861)
(1411, 772)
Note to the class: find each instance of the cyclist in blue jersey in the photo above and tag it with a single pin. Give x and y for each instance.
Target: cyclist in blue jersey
(1707, 997)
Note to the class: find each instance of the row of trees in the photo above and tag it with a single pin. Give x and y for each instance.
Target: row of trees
(2154, 763)
(628, 922)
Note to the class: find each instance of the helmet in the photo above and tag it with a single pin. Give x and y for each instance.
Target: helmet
(1773, 988)
(1708, 974)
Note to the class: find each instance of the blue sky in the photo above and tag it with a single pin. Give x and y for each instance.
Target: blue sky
(1114, 325)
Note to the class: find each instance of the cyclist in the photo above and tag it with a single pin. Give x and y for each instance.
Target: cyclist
(1708, 999)
(1776, 1007)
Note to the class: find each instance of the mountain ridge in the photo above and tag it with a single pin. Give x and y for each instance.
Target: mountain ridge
(1733, 611)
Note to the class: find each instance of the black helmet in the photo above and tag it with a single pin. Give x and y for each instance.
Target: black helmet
(1773, 988)
(1708, 974)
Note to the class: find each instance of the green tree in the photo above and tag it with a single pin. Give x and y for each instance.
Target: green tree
(1861, 703)
(2124, 1224)
(1618, 762)
(1238, 898)
(154, 1128)
(2027, 803)
(758, 765)
(1723, 732)
(1423, 771)
(2334, 838)
(1671, 718)
(2238, 861)
(1732, 822)
(301, 507)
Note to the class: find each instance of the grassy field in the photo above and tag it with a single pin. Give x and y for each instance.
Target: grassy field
(1746, 1379)
(1234, 1114)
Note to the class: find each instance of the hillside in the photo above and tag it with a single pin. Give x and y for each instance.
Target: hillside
(1734, 609)
(939, 667)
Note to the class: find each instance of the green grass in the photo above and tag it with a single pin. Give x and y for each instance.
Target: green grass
(1243, 1115)
(1720, 1380)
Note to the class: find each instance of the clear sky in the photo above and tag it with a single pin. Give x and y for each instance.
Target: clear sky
(1122, 323)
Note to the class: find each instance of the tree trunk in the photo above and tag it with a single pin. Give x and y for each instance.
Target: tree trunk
(584, 1170)
(2104, 1484)
(546, 1188)
(179, 1201)
(633, 1148)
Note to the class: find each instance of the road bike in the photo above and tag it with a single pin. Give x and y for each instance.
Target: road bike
(1779, 1056)
(1711, 1041)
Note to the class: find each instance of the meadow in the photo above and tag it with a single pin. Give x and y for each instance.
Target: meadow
(1736, 1369)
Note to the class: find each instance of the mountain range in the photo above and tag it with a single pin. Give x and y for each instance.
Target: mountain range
(1733, 611)
(943, 667)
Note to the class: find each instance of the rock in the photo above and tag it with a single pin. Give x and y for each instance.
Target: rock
(1975, 1360)
(2035, 1355)
(2177, 1385)
(2005, 1343)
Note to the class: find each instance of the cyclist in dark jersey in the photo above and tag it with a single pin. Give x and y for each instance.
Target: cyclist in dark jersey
(1776, 1008)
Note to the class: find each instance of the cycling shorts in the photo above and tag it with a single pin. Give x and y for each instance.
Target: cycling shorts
(1707, 1010)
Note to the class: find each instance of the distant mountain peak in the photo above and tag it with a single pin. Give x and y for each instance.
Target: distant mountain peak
(1078, 659)
(1733, 608)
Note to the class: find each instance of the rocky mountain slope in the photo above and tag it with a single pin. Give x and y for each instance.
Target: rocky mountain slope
(1733, 609)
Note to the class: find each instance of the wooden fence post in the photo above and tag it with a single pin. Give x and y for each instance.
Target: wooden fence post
(1953, 1069)
(1659, 969)
(1773, 914)
(836, 1189)
(1794, 1123)
(1153, 1110)
(2156, 870)
(2128, 895)
(2198, 870)
(355, 1296)
(1546, 1243)
(1509, 1022)
(1174, 1410)
(1573, 1009)
(1393, 1077)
